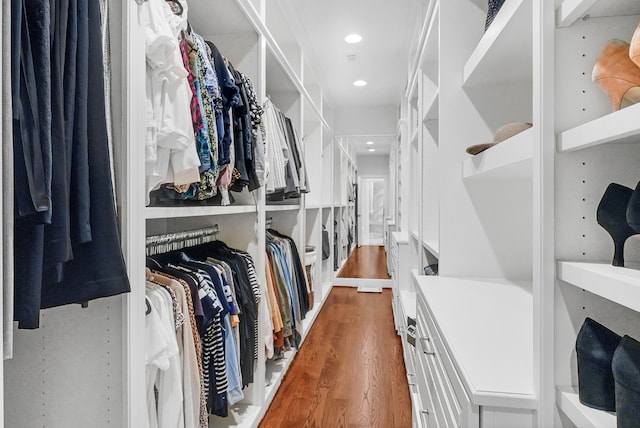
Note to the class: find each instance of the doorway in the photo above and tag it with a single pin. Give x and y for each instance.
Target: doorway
(371, 198)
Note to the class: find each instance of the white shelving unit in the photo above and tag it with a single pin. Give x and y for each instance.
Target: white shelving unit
(510, 159)
(523, 211)
(97, 354)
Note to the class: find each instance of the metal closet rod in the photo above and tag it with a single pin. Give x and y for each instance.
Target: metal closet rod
(158, 244)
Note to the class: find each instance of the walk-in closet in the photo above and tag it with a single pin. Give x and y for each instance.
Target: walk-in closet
(423, 212)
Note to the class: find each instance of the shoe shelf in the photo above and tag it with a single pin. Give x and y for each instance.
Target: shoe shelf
(617, 284)
(200, 211)
(570, 11)
(621, 126)
(431, 107)
(494, 358)
(504, 51)
(509, 159)
(581, 415)
(432, 246)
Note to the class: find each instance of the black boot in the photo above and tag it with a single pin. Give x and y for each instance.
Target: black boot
(612, 216)
(595, 346)
(626, 372)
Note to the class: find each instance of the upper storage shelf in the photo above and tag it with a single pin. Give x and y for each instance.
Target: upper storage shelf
(571, 10)
(621, 126)
(504, 53)
(195, 211)
(426, 56)
(509, 159)
(617, 284)
(225, 17)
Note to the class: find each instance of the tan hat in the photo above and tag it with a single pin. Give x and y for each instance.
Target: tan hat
(503, 133)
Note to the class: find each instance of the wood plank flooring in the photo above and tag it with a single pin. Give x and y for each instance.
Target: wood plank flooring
(367, 261)
(349, 372)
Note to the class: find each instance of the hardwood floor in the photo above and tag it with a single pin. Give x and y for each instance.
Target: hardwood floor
(349, 372)
(367, 261)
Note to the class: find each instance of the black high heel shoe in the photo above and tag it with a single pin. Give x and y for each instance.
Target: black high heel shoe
(633, 210)
(612, 216)
(595, 347)
(626, 371)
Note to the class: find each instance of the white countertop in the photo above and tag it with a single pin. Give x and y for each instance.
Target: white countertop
(487, 328)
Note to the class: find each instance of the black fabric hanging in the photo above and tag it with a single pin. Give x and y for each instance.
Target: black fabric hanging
(66, 243)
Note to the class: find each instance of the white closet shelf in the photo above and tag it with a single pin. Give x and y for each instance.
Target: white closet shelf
(315, 206)
(414, 137)
(275, 373)
(432, 246)
(431, 106)
(239, 415)
(570, 11)
(581, 415)
(617, 284)
(493, 358)
(621, 126)
(176, 212)
(408, 301)
(504, 51)
(415, 235)
(509, 159)
(400, 237)
(274, 208)
(427, 43)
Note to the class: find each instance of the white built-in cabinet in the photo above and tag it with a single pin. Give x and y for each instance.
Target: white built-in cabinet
(85, 366)
(522, 260)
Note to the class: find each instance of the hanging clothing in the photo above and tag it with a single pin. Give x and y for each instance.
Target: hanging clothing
(65, 235)
(285, 275)
(225, 294)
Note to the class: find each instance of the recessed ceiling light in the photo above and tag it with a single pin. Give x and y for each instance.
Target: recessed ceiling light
(369, 143)
(353, 38)
(372, 150)
(360, 83)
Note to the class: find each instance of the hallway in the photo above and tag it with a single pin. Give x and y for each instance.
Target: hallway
(366, 261)
(350, 371)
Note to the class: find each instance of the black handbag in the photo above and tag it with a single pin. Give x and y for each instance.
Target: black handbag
(326, 248)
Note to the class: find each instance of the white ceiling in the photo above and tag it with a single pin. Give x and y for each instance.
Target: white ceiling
(381, 58)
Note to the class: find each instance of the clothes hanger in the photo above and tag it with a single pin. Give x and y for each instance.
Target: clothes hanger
(176, 7)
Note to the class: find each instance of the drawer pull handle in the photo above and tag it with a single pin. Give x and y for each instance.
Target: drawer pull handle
(424, 413)
(411, 379)
(424, 346)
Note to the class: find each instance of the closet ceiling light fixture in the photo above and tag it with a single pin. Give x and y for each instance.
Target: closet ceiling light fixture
(372, 150)
(369, 143)
(353, 38)
(360, 83)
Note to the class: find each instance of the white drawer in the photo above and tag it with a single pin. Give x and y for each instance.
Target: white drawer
(445, 404)
(457, 406)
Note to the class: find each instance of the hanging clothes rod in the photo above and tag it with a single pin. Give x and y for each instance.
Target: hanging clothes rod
(159, 244)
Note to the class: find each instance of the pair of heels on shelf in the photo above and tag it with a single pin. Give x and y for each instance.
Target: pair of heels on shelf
(609, 372)
(619, 214)
(617, 71)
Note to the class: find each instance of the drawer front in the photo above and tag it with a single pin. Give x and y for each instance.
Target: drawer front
(465, 413)
(445, 404)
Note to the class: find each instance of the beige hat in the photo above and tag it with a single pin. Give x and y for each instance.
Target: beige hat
(503, 133)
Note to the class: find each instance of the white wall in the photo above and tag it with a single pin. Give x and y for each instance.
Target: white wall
(373, 165)
(376, 120)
